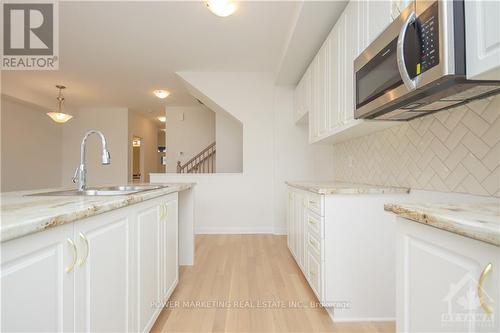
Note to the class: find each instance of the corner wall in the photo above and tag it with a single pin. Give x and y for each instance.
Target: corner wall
(274, 150)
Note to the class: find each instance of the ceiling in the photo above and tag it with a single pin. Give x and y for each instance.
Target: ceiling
(116, 53)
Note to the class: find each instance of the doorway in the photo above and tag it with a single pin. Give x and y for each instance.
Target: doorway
(137, 165)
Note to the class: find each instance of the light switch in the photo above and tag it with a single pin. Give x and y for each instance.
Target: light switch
(180, 116)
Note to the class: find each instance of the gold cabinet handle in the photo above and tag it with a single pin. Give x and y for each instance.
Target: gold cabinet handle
(312, 221)
(486, 307)
(84, 259)
(73, 247)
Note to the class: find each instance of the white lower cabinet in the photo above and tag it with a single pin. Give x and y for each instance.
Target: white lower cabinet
(346, 239)
(106, 273)
(440, 279)
(36, 282)
(103, 279)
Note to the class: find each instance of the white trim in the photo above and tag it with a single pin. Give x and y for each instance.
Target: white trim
(233, 230)
(280, 231)
(357, 319)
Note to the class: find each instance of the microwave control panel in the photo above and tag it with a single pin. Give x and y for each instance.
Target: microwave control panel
(428, 26)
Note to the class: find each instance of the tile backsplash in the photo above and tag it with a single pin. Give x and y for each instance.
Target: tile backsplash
(450, 151)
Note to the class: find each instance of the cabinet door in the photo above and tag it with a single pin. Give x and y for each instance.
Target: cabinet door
(482, 33)
(103, 289)
(376, 16)
(322, 91)
(337, 87)
(353, 47)
(298, 210)
(437, 281)
(313, 112)
(148, 265)
(36, 287)
(169, 262)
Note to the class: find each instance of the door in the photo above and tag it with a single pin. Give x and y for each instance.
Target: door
(103, 291)
(45, 306)
(169, 262)
(482, 33)
(148, 234)
(438, 277)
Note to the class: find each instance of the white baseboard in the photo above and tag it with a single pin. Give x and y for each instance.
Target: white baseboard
(279, 231)
(233, 231)
(357, 319)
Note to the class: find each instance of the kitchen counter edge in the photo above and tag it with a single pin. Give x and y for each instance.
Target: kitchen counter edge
(10, 229)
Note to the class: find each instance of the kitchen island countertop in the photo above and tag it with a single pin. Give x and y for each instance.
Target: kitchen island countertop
(22, 215)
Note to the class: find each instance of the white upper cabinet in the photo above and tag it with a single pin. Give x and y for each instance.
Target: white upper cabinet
(331, 73)
(482, 33)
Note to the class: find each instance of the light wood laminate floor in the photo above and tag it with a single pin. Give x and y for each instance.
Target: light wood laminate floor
(245, 273)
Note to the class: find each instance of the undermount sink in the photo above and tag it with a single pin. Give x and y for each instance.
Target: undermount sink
(103, 191)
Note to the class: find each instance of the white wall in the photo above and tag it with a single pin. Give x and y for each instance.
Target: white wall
(147, 130)
(253, 201)
(31, 147)
(229, 138)
(295, 158)
(190, 135)
(113, 122)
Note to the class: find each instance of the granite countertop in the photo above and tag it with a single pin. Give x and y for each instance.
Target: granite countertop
(22, 215)
(329, 187)
(480, 221)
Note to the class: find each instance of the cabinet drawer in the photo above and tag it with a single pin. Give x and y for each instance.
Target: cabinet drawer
(315, 246)
(314, 274)
(314, 224)
(315, 203)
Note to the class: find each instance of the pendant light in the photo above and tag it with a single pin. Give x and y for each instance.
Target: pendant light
(59, 116)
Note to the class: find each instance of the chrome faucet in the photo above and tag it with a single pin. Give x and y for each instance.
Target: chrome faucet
(81, 172)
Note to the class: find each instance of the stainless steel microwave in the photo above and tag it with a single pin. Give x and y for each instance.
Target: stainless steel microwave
(417, 65)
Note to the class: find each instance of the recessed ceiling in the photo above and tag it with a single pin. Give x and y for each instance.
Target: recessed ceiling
(117, 53)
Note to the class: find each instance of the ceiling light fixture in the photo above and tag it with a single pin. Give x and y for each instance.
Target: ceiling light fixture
(59, 116)
(161, 93)
(162, 119)
(222, 8)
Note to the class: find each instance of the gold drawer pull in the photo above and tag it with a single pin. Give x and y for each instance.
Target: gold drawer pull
(84, 259)
(313, 243)
(311, 221)
(486, 307)
(73, 247)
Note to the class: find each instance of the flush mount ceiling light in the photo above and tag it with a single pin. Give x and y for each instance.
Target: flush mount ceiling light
(161, 93)
(162, 119)
(59, 116)
(221, 8)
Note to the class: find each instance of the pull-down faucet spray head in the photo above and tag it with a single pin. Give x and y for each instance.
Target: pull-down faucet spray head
(80, 176)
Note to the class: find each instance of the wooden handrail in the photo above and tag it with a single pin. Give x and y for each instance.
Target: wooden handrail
(203, 162)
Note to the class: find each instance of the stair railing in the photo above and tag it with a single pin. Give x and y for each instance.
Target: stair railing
(203, 162)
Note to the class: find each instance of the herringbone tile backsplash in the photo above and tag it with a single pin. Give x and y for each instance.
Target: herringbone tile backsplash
(449, 151)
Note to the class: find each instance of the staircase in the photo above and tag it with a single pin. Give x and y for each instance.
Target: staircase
(203, 162)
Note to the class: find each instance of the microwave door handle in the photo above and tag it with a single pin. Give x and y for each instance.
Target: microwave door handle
(410, 84)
